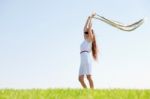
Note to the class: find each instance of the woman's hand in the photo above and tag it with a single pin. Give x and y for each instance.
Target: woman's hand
(93, 14)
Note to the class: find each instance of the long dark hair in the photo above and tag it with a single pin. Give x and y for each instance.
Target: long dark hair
(94, 47)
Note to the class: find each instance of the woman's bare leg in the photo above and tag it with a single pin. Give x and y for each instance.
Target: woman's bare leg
(81, 80)
(90, 81)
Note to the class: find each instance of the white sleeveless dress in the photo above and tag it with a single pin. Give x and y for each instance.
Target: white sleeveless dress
(86, 62)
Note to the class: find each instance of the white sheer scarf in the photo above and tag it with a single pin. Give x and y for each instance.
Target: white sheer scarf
(121, 26)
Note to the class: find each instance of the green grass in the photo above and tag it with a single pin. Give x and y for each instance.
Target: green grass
(74, 94)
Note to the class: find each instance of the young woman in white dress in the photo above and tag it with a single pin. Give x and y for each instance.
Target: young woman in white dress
(87, 46)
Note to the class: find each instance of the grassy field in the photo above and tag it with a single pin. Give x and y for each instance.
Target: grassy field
(74, 94)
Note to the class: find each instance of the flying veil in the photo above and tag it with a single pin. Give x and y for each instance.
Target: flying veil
(121, 26)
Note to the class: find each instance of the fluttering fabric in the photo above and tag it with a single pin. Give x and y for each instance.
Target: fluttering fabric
(121, 26)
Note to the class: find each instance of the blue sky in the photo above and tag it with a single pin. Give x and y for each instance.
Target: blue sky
(40, 41)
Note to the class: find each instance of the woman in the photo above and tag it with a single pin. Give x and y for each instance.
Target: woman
(88, 45)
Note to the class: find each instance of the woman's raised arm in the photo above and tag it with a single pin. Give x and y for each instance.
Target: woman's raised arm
(86, 24)
(90, 27)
